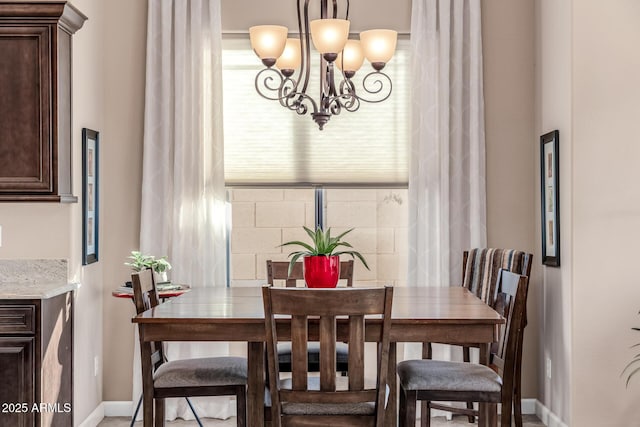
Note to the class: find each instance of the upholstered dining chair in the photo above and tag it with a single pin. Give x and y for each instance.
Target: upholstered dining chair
(480, 268)
(211, 376)
(327, 399)
(279, 270)
(435, 380)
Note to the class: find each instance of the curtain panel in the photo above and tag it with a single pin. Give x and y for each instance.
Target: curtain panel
(447, 195)
(183, 191)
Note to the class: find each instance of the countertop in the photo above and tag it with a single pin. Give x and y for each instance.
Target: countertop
(35, 290)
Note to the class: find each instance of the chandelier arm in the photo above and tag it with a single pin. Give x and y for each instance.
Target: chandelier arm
(331, 79)
(306, 47)
(347, 101)
(266, 84)
(346, 16)
(295, 101)
(373, 84)
(286, 91)
(335, 9)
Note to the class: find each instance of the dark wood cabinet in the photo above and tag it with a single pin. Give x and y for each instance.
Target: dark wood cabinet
(36, 361)
(16, 370)
(35, 100)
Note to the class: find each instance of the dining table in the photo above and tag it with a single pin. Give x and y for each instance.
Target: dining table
(450, 315)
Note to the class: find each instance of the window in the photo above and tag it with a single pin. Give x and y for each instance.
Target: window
(275, 160)
(267, 144)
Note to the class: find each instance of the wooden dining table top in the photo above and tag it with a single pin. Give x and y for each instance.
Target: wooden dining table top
(453, 303)
(411, 305)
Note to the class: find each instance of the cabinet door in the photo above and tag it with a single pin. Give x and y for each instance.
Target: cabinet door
(26, 143)
(17, 393)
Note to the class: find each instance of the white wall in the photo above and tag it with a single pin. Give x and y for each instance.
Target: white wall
(587, 87)
(125, 47)
(606, 210)
(88, 111)
(508, 55)
(553, 101)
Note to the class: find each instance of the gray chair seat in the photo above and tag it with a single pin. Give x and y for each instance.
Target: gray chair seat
(313, 383)
(208, 371)
(448, 376)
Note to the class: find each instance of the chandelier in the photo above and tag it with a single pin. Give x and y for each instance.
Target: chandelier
(340, 58)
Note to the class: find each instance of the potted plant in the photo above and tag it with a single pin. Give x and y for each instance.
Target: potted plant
(140, 262)
(321, 262)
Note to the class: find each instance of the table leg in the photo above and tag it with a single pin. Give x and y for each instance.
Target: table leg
(484, 408)
(391, 415)
(255, 384)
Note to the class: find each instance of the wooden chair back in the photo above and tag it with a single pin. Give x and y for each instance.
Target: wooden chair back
(325, 312)
(279, 270)
(145, 297)
(510, 301)
(481, 266)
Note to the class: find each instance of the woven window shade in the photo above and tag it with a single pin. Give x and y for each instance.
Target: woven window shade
(268, 145)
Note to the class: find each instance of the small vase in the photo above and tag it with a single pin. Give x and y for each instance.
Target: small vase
(321, 271)
(160, 277)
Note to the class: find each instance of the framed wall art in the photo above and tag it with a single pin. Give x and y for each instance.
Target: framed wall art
(90, 199)
(550, 197)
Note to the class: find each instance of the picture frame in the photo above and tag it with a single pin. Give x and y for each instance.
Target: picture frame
(90, 195)
(550, 197)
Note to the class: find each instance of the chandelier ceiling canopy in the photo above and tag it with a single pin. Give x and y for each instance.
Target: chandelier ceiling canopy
(340, 59)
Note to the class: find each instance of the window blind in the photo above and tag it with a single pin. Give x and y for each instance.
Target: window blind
(267, 144)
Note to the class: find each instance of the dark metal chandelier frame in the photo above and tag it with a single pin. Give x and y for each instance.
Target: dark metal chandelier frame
(291, 93)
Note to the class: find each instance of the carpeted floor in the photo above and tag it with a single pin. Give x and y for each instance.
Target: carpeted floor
(529, 421)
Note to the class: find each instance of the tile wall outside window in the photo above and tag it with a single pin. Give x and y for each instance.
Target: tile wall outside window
(262, 219)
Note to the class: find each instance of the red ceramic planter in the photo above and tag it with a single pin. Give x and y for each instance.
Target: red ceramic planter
(321, 271)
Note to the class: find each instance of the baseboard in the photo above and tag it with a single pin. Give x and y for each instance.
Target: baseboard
(94, 417)
(529, 406)
(114, 408)
(546, 416)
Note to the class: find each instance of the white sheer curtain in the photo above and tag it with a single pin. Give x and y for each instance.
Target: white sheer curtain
(183, 194)
(447, 197)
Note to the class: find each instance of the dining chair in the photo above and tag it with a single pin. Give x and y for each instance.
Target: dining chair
(335, 315)
(436, 381)
(210, 376)
(279, 270)
(480, 268)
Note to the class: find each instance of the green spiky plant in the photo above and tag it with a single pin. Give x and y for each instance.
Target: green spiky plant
(323, 244)
(632, 367)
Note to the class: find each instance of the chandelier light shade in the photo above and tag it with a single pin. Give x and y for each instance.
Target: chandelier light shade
(340, 59)
(290, 59)
(378, 46)
(268, 41)
(329, 35)
(351, 58)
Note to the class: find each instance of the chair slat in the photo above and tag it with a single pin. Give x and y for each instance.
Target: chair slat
(299, 337)
(356, 352)
(328, 353)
